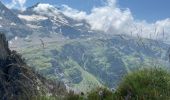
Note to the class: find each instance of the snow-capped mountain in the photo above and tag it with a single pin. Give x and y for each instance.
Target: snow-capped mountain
(47, 19)
(43, 19)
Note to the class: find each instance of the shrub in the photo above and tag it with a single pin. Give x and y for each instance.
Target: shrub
(145, 84)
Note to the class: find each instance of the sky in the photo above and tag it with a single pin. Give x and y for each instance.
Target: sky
(149, 10)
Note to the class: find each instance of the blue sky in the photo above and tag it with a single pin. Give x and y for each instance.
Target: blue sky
(150, 10)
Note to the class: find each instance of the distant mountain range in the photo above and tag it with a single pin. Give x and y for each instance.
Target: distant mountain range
(65, 49)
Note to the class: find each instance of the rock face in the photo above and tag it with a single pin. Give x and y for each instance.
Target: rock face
(17, 80)
(3, 47)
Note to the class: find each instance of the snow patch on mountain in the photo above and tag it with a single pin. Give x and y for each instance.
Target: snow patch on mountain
(33, 26)
(79, 24)
(13, 24)
(32, 17)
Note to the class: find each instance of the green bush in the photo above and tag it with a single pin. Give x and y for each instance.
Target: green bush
(145, 84)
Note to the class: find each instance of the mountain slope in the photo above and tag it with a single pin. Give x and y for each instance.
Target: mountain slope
(85, 63)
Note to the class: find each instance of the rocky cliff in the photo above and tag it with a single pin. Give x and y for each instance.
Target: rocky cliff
(19, 81)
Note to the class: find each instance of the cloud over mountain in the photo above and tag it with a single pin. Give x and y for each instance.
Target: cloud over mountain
(114, 20)
(109, 18)
(20, 3)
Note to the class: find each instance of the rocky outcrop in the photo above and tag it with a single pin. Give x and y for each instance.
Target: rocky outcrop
(17, 80)
(4, 50)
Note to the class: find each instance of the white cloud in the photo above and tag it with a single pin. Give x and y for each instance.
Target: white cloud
(109, 18)
(20, 3)
(113, 20)
(46, 9)
(73, 13)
